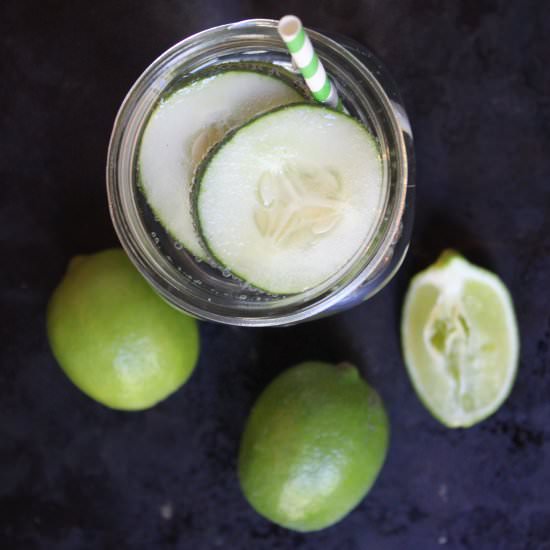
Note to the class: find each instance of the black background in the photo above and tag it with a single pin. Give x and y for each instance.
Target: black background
(74, 474)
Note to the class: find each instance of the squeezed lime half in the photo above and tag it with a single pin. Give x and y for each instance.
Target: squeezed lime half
(460, 340)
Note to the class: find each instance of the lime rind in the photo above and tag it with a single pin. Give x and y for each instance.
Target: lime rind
(459, 373)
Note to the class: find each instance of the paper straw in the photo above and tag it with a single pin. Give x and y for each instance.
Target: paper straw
(299, 45)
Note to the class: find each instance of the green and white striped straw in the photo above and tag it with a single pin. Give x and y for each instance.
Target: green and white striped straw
(299, 45)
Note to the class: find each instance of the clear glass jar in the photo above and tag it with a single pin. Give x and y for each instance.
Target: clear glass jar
(369, 94)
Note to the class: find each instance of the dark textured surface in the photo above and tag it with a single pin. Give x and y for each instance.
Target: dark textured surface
(74, 474)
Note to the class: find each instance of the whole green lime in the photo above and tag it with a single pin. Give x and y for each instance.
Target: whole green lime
(313, 446)
(115, 338)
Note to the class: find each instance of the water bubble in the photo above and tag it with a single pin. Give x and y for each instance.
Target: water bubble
(243, 297)
(226, 273)
(178, 245)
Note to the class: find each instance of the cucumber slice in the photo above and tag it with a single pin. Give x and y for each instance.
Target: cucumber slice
(185, 125)
(287, 200)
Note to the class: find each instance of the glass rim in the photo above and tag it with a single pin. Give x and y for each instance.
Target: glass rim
(140, 251)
